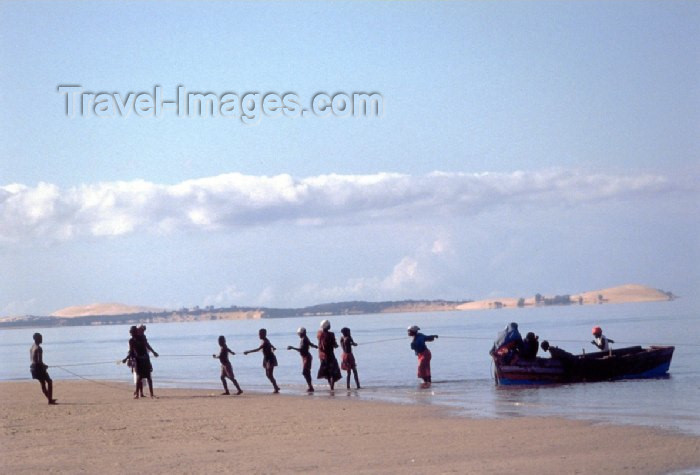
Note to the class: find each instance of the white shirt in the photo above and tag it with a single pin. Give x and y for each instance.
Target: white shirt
(602, 343)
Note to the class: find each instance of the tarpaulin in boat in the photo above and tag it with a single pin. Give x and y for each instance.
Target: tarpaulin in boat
(508, 338)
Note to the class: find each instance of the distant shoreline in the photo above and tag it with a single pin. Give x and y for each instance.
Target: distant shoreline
(125, 315)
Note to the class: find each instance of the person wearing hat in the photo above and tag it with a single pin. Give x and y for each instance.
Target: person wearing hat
(420, 348)
(306, 358)
(600, 340)
(328, 368)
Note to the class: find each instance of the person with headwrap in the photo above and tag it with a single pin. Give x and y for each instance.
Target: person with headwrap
(508, 343)
(600, 340)
(422, 352)
(329, 368)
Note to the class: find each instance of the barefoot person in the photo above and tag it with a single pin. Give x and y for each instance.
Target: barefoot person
(348, 364)
(269, 358)
(226, 368)
(39, 369)
(130, 361)
(306, 358)
(328, 368)
(138, 349)
(418, 345)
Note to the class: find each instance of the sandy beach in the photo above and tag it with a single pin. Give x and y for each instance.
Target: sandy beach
(100, 428)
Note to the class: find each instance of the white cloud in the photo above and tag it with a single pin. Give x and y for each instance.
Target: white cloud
(17, 308)
(413, 275)
(235, 200)
(405, 273)
(231, 295)
(441, 245)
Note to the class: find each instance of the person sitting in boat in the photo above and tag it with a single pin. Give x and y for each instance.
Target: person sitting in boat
(600, 340)
(557, 353)
(530, 346)
(508, 343)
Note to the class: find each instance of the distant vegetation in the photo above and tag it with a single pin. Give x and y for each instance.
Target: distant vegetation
(238, 313)
(620, 294)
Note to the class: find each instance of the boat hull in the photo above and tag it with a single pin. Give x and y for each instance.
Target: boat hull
(625, 363)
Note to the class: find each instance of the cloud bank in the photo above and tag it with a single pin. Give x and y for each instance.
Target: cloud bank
(235, 200)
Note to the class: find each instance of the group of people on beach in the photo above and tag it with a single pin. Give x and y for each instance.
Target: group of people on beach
(328, 369)
(138, 359)
(509, 344)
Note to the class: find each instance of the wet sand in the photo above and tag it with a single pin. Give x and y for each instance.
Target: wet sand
(98, 428)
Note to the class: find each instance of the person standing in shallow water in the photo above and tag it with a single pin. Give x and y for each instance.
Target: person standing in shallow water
(306, 358)
(226, 368)
(328, 368)
(348, 364)
(419, 347)
(269, 358)
(39, 369)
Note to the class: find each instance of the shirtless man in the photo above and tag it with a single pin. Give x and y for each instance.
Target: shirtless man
(38, 368)
(269, 358)
(226, 368)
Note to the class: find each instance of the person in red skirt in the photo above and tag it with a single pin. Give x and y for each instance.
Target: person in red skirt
(348, 363)
(418, 345)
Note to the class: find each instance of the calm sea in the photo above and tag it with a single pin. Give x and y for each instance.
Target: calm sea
(462, 370)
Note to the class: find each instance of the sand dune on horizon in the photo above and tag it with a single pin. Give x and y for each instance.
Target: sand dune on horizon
(621, 294)
(102, 309)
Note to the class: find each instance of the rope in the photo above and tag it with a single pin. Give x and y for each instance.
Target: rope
(381, 341)
(118, 362)
(101, 383)
(466, 337)
(385, 340)
(86, 364)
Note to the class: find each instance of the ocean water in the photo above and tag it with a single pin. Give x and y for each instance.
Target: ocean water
(462, 369)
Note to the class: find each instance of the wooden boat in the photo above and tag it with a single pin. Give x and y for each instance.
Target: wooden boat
(564, 367)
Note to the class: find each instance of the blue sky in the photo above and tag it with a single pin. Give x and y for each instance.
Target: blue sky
(524, 147)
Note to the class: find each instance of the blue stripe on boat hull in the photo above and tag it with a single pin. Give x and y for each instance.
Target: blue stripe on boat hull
(524, 382)
(660, 370)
